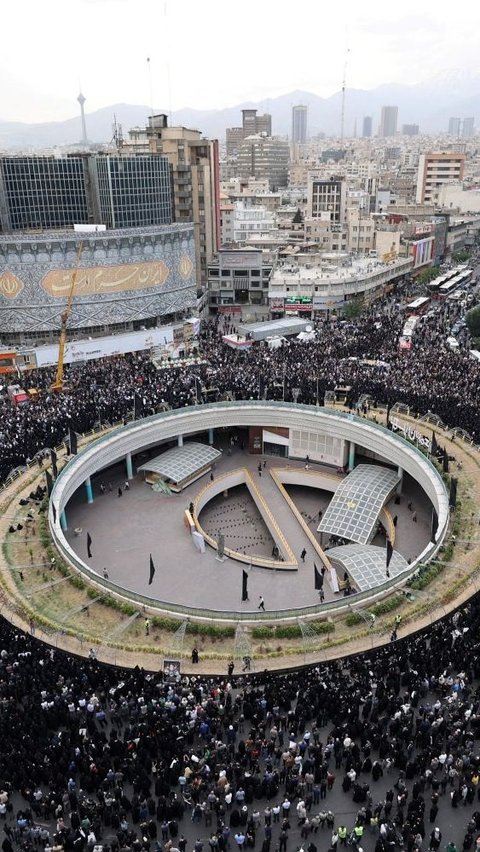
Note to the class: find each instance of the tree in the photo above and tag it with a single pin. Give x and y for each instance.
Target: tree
(298, 218)
(353, 308)
(427, 275)
(473, 321)
(461, 256)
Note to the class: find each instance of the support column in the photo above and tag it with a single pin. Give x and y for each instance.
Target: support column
(210, 436)
(180, 440)
(129, 466)
(351, 456)
(63, 521)
(89, 490)
(399, 487)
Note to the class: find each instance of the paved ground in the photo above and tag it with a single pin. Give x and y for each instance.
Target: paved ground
(126, 530)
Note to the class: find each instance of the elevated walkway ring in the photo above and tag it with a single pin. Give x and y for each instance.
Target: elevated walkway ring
(148, 433)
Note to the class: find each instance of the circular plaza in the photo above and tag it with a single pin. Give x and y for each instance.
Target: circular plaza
(206, 511)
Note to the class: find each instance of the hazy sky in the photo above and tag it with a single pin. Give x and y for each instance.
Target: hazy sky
(217, 53)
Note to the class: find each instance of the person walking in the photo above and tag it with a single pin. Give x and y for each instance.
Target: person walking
(261, 603)
(303, 555)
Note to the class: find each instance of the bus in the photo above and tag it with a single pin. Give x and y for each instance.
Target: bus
(418, 306)
(459, 282)
(435, 287)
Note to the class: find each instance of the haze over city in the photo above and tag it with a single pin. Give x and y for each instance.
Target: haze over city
(213, 55)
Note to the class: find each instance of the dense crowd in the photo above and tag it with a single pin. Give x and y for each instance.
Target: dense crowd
(363, 354)
(378, 752)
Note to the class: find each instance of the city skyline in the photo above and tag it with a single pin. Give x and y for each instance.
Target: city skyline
(166, 53)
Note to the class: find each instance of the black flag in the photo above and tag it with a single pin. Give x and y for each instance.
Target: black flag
(244, 586)
(152, 571)
(434, 445)
(445, 461)
(395, 519)
(434, 526)
(389, 552)
(54, 513)
(89, 545)
(49, 482)
(137, 407)
(261, 387)
(53, 457)
(388, 413)
(72, 438)
(318, 578)
(453, 493)
(198, 389)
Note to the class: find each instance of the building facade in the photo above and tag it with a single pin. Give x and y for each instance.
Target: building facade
(264, 157)
(326, 199)
(436, 169)
(253, 123)
(238, 277)
(48, 193)
(126, 279)
(194, 163)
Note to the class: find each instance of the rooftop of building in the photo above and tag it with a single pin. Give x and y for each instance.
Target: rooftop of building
(91, 236)
(337, 266)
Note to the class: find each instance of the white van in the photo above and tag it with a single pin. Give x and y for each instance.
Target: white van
(452, 343)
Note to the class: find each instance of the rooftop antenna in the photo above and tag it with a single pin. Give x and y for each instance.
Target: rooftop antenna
(150, 85)
(117, 133)
(344, 86)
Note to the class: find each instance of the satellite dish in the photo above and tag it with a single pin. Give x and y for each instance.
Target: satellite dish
(308, 328)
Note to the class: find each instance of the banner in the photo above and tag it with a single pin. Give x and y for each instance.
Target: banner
(72, 438)
(152, 571)
(53, 457)
(89, 545)
(244, 586)
(410, 433)
(389, 551)
(317, 578)
(49, 482)
(198, 541)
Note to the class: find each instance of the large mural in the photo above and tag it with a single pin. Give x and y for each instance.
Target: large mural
(124, 276)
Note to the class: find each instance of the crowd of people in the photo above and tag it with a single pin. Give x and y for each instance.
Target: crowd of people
(363, 354)
(379, 752)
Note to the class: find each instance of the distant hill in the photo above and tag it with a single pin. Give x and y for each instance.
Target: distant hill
(428, 104)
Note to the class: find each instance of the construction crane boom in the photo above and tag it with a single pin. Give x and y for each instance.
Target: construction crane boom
(58, 383)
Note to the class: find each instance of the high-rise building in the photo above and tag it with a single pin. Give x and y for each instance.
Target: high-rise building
(388, 121)
(367, 127)
(49, 193)
(299, 124)
(435, 170)
(454, 127)
(410, 129)
(253, 123)
(326, 200)
(194, 163)
(468, 127)
(264, 157)
(234, 137)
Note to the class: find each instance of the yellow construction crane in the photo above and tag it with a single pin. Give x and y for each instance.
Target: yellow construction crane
(58, 383)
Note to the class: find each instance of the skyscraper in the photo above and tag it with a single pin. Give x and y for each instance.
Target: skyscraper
(367, 127)
(468, 127)
(388, 121)
(299, 123)
(454, 127)
(253, 123)
(436, 169)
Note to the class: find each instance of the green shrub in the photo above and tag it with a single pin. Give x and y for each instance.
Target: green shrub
(353, 618)
(391, 603)
(426, 574)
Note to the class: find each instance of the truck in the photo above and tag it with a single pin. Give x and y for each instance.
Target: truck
(285, 327)
(17, 395)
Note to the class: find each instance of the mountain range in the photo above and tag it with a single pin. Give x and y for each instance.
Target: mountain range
(429, 104)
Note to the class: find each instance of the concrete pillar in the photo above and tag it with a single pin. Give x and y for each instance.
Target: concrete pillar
(351, 456)
(129, 466)
(180, 440)
(63, 521)
(89, 490)
(399, 487)
(210, 436)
